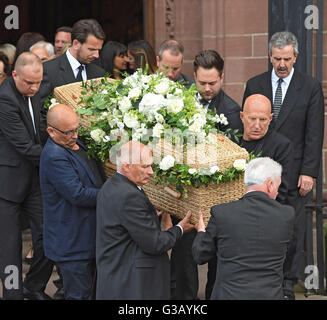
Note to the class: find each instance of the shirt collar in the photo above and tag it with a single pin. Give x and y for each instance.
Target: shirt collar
(287, 80)
(72, 60)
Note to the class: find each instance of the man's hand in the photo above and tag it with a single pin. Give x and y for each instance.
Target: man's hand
(166, 221)
(159, 212)
(185, 223)
(200, 226)
(305, 184)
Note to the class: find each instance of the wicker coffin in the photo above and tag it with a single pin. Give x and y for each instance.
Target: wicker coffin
(222, 153)
(69, 95)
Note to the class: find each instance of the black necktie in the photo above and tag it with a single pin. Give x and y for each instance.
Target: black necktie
(79, 74)
(203, 101)
(278, 99)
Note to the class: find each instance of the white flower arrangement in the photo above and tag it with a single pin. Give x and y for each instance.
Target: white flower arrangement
(143, 108)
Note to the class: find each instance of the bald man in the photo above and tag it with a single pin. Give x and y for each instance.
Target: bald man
(131, 250)
(20, 150)
(70, 182)
(262, 141)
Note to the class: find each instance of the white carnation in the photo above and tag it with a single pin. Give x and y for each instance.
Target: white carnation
(167, 162)
(240, 164)
(97, 135)
(192, 171)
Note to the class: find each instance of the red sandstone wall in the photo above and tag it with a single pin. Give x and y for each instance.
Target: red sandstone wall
(237, 29)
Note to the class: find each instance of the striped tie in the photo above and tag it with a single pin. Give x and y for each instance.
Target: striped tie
(278, 99)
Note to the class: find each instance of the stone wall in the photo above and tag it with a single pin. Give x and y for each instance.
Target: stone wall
(237, 29)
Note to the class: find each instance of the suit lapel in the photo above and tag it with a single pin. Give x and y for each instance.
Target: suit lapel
(266, 86)
(23, 104)
(66, 69)
(83, 164)
(290, 100)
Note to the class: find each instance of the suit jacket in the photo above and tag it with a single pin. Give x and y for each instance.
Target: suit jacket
(131, 250)
(249, 250)
(58, 72)
(301, 119)
(222, 103)
(20, 147)
(279, 148)
(69, 194)
(185, 80)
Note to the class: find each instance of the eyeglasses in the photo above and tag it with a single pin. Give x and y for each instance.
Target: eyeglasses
(66, 133)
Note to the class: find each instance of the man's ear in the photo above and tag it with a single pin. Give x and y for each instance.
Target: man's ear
(157, 58)
(76, 44)
(125, 167)
(222, 76)
(50, 131)
(242, 115)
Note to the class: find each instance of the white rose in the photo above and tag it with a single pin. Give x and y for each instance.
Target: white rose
(106, 139)
(162, 87)
(134, 93)
(195, 127)
(97, 135)
(151, 101)
(159, 118)
(104, 91)
(240, 164)
(174, 104)
(167, 162)
(53, 103)
(131, 120)
(214, 169)
(223, 119)
(192, 171)
(158, 130)
(124, 104)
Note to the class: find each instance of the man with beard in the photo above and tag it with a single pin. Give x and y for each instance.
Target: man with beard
(75, 65)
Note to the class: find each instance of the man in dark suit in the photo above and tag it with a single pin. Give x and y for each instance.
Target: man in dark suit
(263, 141)
(298, 107)
(70, 182)
(209, 76)
(20, 150)
(75, 64)
(170, 60)
(131, 249)
(242, 234)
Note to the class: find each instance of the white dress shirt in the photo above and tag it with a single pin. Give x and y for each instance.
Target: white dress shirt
(75, 65)
(31, 112)
(284, 85)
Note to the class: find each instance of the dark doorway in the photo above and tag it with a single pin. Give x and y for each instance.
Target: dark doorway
(122, 20)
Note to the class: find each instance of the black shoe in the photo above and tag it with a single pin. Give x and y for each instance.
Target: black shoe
(28, 260)
(35, 295)
(59, 295)
(289, 297)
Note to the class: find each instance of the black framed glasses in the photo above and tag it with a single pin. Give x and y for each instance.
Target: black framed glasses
(66, 133)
